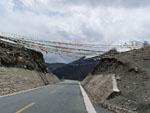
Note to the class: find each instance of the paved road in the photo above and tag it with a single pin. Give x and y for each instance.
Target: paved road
(64, 97)
(61, 98)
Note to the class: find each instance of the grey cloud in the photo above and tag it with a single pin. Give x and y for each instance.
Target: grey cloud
(110, 3)
(18, 5)
(136, 3)
(69, 20)
(38, 8)
(92, 34)
(67, 36)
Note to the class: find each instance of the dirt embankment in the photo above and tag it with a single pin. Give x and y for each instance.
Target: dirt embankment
(22, 68)
(132, 72)
(17, 79)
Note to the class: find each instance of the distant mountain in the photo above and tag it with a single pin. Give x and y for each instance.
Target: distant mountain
(76, 70)
(53, 66)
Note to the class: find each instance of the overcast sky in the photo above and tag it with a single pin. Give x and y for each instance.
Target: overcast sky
(88, 21)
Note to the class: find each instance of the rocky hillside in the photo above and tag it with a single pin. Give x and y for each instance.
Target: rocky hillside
(22, 68)
(12, 55)
(132, 72)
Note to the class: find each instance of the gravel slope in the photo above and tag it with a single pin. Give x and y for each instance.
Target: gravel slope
(17, 79)
(132, 70)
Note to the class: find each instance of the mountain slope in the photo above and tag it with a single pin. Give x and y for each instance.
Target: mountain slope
(132, 73)
(76, 70)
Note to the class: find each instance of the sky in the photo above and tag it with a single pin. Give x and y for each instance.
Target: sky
(83, 21)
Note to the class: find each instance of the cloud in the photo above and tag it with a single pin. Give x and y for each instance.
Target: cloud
(87, 21)
(110, 3)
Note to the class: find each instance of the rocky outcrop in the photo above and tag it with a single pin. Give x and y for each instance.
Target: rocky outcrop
(13, 55)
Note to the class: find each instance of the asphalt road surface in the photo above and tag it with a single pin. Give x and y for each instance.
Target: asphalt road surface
(60, 98)
(64, 97)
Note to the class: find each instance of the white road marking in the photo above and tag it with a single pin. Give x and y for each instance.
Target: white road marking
(89, 106)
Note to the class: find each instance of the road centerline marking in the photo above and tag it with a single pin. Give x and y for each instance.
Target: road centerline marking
(25, 107)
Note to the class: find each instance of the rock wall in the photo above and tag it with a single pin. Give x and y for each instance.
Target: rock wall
(12, 55)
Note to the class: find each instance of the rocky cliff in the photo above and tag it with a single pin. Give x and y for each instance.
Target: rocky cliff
(12, 55)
